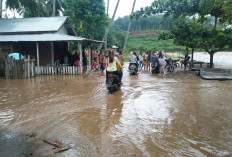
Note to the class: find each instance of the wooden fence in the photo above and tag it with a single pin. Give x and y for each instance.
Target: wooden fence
(19, 69)
(52, 70)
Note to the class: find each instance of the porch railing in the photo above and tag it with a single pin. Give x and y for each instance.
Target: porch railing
(52, 70)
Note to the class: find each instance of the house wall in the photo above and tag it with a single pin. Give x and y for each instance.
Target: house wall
(29, 48)
(63, 30)
(6, 48)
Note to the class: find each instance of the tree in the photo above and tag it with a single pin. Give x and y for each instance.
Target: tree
(32, 8)
(188, 34)
(128, 30)
(108, 5)
(54, 8)
(227, 7)
(182, 8)
(91, 14)
(0, 9)
(110, 25)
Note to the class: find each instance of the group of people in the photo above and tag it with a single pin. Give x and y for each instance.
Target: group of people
(149, 60)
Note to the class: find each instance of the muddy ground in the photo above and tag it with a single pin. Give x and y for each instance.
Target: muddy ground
(172, 115)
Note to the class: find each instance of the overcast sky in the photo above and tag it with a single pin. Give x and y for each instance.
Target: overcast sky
(124, 7)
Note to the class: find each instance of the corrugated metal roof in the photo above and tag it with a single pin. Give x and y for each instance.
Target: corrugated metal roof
(37, 24)
(44, 37)
(39, 37)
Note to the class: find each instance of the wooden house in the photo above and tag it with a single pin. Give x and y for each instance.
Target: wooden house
(41, 37)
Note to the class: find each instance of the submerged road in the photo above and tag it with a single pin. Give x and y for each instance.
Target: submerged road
(152, 115)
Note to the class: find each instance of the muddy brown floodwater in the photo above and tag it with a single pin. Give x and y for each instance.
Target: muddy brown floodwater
(173, 115)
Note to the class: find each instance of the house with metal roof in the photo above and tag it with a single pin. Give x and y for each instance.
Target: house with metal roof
(41, 37)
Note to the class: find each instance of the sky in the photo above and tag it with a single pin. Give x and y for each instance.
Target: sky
(124, 7)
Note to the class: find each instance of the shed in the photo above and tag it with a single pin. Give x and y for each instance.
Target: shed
(41, 37)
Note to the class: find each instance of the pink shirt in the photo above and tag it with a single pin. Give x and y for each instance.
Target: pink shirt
(162, 63)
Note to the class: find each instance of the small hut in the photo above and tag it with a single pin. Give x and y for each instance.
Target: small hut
(41, 37)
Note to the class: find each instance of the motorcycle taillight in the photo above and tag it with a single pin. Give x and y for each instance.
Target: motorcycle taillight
(110, 76)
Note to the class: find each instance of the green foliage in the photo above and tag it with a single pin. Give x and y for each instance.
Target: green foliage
(116, 37)
(34, 8)
(146, 42)
(88, 17)
(188, 33)
(154, 22)
(227, 7)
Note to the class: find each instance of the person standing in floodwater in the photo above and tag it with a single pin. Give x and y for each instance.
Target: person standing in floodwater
(186, 61)
(186, 53)
(160, 54)
(120, 58)
(145, 60)
(84, 61)
(149, 60)
(141, 60)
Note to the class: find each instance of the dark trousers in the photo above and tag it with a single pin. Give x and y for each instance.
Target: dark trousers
(118, 73)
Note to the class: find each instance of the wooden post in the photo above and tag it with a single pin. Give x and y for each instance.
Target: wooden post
(52, 53)
(37, 49)
(80, 50)
(32, 69)
(90, 57)
(98, 49)
(28, 68)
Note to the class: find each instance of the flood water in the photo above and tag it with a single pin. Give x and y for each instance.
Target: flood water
(152, 115)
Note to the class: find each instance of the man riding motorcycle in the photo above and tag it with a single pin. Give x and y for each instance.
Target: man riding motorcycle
(133, 66)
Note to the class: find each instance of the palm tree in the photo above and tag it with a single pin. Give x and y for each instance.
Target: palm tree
(0, 9)
(128, 29)
(109, 27)
(55, 6)
(108, 4)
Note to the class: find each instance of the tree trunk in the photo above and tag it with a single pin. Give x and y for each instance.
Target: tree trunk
(105, 44)
(111, 23)
(192, 58)
(211, 59)
(128, 29)
(215, 23)
(54, 8)
(0, 9)
(108, 4)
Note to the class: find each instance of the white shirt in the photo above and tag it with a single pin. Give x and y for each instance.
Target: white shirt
(140, 58)
(133, 59)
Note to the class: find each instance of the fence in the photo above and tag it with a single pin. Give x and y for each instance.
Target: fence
(52, 70)
(19, 69)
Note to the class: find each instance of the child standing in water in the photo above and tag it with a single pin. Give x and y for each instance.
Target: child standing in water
(185, 62)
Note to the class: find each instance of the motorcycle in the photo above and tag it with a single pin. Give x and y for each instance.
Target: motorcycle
(170, 67)
(133, 68)
(112, 82)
